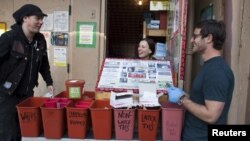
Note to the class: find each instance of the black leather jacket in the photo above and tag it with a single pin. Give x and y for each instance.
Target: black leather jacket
(20, 62)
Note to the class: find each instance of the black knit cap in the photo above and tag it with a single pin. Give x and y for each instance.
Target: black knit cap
(27, 10)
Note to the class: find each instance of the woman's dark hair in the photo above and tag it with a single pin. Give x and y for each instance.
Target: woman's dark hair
(216, 29)
(151, 45)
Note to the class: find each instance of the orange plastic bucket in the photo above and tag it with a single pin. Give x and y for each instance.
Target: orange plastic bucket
(148, 123)
(124, 123)
(172, 121)
(61, 94)
(78, 119)
(74, 88)
(29, 115)
(54, 119)
(101, 116)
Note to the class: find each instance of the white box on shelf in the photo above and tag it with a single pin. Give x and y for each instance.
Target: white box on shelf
(155, 24)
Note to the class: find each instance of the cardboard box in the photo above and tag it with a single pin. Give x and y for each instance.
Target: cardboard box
(124, 99)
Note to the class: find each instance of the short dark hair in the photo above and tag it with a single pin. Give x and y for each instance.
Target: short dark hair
(216, 28)
(151, 45)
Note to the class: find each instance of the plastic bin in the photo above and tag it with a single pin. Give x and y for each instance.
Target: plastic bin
(124, 123)
(74, 88)
(89, 95)
(148, 123)
(61, 94)
(172, 121)
(54, 119)
(29, 115)
(101, 116)
(78, 119)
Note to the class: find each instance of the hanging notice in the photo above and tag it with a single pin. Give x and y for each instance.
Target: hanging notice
(59, 39)
(117, 74)
(60, 57)
(48, 23)
(86, 34)
(61, 21)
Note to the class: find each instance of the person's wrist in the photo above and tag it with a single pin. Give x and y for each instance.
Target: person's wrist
(181, 99)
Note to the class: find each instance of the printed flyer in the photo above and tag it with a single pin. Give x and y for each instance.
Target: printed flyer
(127, 73)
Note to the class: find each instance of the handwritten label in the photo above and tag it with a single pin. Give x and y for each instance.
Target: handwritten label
(124, 120)
(28, 116)
(77, 118)
(77, 122)
(148, 122)
(171, 128)
(77, 114)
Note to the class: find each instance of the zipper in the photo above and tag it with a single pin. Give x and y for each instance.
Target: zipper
(31, 65)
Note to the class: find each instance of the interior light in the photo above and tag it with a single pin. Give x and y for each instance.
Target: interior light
(140, 2)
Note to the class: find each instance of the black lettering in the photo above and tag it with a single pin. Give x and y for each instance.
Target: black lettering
(77, 122)
(77, 114)
(28, 116)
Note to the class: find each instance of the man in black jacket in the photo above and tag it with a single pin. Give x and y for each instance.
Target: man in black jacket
(23, 54)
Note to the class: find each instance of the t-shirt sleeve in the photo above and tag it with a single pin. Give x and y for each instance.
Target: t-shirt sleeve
(216, 85)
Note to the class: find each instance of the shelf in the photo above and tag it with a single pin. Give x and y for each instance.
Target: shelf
(153, 32)
(156, 32)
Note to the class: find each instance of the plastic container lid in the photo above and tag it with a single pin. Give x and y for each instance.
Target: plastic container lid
(75, 82)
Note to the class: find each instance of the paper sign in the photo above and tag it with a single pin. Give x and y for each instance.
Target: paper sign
(148, 96)
(74, 92)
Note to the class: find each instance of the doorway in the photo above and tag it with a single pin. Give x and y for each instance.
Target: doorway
(124, 27)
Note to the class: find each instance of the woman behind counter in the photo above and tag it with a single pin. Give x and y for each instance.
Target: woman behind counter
(146, 49)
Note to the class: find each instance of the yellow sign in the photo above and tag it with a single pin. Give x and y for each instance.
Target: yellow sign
(2, 27)
(157, 5)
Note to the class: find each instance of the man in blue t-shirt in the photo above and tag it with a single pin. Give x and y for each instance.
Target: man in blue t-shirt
(212, 89)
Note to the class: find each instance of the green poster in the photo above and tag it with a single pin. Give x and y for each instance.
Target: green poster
(86, 34)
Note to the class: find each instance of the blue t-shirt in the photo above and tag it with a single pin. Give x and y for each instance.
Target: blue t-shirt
(215, 81)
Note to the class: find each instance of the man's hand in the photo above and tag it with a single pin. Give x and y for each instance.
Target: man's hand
(51, 90)
(174, 94)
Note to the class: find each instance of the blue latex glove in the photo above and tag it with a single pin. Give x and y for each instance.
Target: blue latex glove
(174, 94)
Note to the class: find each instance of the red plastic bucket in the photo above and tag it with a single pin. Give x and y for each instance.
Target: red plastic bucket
(50, 103)
(83, 104)
(54, 119)
(101, 117)
(172, 121)
(78, 119)
(148, 123)
(124, 123)
(29, 115)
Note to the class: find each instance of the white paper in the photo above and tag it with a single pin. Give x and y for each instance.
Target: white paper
(48, 23)
(50, 95)
(149, 99)
(86, 34)
(60, 57)
(148, 94)
(61, 21)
